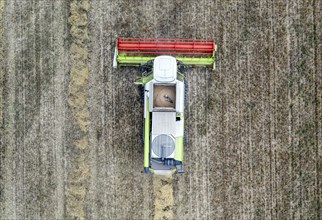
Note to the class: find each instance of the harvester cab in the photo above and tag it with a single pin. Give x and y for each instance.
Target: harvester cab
(162, 62)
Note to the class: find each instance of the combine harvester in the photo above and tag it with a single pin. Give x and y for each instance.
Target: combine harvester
(163, 62)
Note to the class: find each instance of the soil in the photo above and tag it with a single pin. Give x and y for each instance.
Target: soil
(70, 124)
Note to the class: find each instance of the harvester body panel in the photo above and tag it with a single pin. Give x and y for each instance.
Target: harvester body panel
(164, 101)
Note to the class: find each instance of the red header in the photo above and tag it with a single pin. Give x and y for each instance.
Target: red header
(165, 46)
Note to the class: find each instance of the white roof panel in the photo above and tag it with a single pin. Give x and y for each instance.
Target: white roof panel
(165, 69)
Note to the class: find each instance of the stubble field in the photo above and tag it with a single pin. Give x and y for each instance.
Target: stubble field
(70, 124)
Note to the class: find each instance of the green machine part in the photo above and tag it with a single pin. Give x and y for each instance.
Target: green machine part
(178, 153)
(128, 60)
(147, 136)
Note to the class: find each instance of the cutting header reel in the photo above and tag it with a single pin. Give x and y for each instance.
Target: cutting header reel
(137, 51)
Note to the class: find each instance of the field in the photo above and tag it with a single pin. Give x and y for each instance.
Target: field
(70, 124)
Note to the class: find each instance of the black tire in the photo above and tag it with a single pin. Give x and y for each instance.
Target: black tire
(141, 93)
